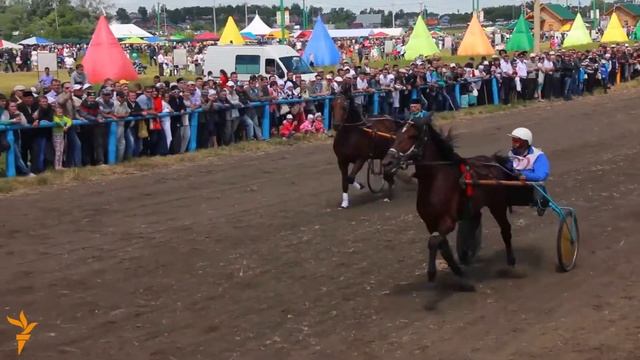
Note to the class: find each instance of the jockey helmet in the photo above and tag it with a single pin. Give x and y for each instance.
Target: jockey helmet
(523, 133)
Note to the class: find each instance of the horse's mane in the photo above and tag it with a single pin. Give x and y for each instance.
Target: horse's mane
(445, 144)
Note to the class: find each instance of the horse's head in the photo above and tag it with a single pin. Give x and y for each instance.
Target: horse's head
(342, 107)
(407, 146)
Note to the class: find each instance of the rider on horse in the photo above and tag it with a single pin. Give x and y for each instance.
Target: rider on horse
(417, 115)
(529, 163)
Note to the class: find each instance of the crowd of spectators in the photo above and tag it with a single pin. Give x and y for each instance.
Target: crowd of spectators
(226, 116)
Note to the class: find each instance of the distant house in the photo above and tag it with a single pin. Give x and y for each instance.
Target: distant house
(629, 14)
(369, 20)
(553, 17)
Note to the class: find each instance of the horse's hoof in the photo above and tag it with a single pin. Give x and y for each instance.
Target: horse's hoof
(431, 276)
(511, 262)
(344, 206)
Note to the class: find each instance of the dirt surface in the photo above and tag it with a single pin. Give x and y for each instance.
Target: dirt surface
(252, 259)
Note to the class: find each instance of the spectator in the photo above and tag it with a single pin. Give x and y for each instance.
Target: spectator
(63, 123)
(286, 129)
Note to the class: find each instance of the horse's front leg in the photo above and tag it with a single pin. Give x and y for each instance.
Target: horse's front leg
(354, 171)
(500, 214)
(344, 171)
(438, 241)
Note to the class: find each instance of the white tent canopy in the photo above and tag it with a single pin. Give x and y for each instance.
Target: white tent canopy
(257, 27)
(125, 31)
(9, 45)
(357, 33)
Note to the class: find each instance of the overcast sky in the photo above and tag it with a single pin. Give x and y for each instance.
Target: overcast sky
(439, 6)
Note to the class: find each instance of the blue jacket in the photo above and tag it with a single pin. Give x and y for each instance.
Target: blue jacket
(541, 168)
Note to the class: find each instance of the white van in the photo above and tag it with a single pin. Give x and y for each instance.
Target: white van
(256, 60)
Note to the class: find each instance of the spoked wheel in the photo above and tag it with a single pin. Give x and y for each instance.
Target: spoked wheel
(568, 240)
(469, 239)
(375, 178)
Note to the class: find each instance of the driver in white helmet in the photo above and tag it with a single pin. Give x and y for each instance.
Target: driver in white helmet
(529, 162)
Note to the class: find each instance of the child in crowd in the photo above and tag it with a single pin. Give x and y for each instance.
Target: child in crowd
(307, 125)
(286, 129)
(62, 125)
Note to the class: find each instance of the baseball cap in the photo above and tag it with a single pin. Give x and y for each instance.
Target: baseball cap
(19, 88)
(77, 87)
(231, 83)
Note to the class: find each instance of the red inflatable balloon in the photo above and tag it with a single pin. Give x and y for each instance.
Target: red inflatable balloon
(105, 57)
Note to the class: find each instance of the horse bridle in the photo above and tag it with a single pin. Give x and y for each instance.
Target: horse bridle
(417, 146)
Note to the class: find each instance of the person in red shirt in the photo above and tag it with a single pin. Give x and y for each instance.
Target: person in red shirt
(287, 127)
(224, 78)
(318, 124)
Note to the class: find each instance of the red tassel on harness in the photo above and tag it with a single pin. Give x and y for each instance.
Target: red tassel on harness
(466, 173)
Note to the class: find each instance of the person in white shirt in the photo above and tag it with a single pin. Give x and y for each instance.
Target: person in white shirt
(521, 75)
(506, 70)
(386, 84)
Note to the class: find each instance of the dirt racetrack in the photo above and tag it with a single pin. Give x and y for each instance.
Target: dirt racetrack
(251, 259)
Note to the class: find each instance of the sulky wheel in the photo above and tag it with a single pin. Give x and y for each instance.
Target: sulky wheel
(469, 239)
(568, 240)
(375, 178)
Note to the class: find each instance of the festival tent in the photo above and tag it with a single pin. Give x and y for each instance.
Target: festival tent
(207, 36)
(566, 27)
(303, 35)
(521, 38)
(380, 34)
(154, 39)
(614, 32)
(277, 34)
(420, 42)
(321, 46)
(134, 41)
(636, 34)
(578, 34)
(105, 57)
(125, 31)
(475, 42)
(35, 41)
(257, 27)
(4, 44)
(231, 34)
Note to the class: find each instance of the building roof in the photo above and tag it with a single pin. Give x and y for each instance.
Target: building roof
(562, 12)
(634, 9)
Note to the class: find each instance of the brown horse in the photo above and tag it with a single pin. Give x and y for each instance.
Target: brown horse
(442, 201)
(357, 140)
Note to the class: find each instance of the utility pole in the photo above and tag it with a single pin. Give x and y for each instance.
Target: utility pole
(594, 18)
(304, 14)
(281, 21)
(246, 16)
(215, 21)
(164, 11)
(55, 9)
(536, 26)
(393, 15)
(158, 16)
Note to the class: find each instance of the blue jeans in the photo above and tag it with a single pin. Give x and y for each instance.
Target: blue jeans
(74, 148)
(567, 88)
(38, 147)
(247, 123)
(128, 143)
(21, 167)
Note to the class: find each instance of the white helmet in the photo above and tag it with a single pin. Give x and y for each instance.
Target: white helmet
(523, 133)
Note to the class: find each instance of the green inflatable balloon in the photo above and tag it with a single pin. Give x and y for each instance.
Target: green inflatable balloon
(134, 56)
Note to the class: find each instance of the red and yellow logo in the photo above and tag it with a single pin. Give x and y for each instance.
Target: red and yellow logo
(26, 327)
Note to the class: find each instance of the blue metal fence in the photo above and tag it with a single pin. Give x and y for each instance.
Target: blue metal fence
(193, 121)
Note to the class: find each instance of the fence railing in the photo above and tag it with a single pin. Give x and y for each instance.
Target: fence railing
(193, 122)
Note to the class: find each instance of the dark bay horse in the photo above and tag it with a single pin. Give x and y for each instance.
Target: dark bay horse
(357, 140)
(442, 200)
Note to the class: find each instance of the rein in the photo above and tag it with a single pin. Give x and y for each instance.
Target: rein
(379, 133)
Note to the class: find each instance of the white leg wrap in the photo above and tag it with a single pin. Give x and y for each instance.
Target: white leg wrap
(357, 185)
(345, 201)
